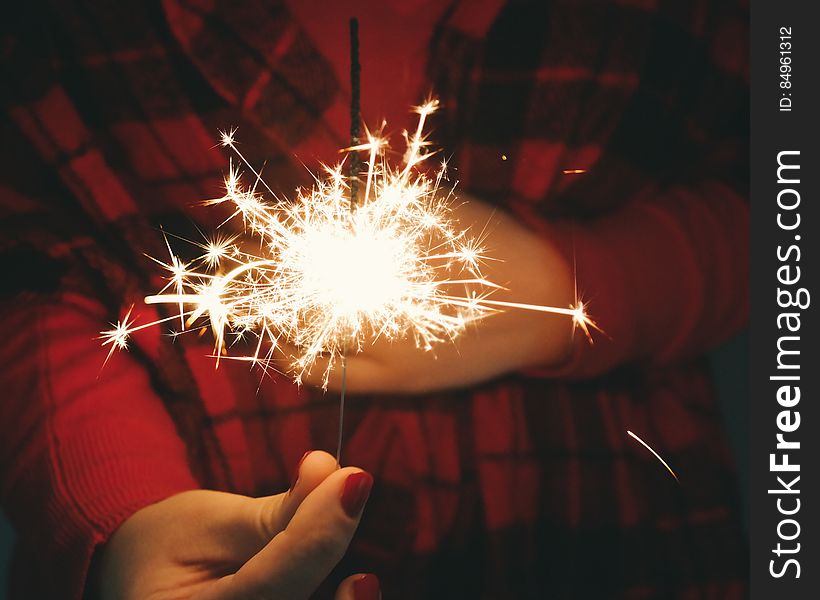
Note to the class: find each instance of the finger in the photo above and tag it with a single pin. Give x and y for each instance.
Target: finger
(294, 563)
(266, 517)
(359, 587)
(238, 527)
(312, 470)
(316, 538)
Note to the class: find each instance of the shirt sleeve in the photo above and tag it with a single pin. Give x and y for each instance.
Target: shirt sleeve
(663, 264)
(82, 446)
(665, 277)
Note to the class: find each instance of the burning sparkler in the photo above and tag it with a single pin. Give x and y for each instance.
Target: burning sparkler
(329, 277)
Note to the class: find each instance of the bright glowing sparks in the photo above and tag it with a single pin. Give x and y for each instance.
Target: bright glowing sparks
(118, 336)
(658, 456)
(326, 277)
(217, 250)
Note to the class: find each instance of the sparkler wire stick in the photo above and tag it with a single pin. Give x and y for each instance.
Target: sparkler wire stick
(355, 110)
(355, 120)
(341, 410)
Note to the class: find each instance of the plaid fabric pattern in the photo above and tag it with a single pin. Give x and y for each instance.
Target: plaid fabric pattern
(524, 487)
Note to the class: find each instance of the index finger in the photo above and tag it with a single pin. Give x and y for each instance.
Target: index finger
(298, 558)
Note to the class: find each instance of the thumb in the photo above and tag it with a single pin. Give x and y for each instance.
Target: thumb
(298, 558)
(359, 587)
(270, 515)
(236, 527)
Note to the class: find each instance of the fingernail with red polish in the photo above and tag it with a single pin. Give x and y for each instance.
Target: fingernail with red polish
(355, 492)
(295, 476)
(367, 587)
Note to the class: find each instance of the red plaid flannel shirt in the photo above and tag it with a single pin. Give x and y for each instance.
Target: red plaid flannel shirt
(523, 487)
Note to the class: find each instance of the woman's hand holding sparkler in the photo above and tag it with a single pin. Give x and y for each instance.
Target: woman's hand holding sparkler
(530, 269)
(210, 545)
